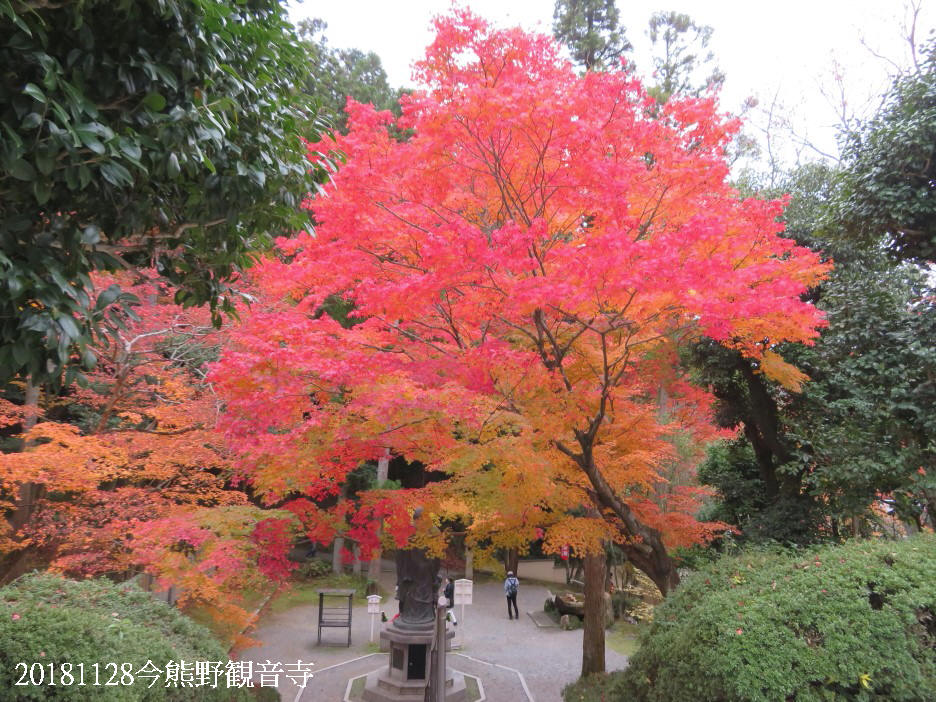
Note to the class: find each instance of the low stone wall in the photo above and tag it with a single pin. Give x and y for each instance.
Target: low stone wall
(540, 569)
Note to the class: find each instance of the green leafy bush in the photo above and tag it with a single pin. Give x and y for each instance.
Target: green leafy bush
(853, 622)
(157, 130)
(47, 620)
(596, 688)
(623, 602)
(697, 556)
(314, 568)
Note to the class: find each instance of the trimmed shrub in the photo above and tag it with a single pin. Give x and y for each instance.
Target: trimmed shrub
(47, 620)
(853, 622)
(314, 568)
(597, 687)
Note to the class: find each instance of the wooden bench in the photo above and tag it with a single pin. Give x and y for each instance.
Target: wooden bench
(335, 616)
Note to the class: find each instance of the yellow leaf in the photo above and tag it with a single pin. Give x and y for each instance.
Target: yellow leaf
(788, 375)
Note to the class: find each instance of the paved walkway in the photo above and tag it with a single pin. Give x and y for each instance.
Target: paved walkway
(515, 660)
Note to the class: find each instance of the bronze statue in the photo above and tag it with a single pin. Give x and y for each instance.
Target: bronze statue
(417, 583)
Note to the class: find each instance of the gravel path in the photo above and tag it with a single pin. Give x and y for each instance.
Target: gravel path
(515, 660)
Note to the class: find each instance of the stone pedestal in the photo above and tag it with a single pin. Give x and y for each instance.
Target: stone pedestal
(409, 667)
(384, 642)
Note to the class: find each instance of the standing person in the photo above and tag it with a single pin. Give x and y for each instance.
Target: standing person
(449, 594)
(511, 586)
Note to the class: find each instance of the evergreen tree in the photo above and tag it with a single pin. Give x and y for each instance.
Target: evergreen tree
(681, 51)
(591, 31)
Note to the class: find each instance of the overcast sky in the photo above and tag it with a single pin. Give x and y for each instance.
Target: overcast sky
(779, 52)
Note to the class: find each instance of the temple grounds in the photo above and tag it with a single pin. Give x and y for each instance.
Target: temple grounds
(516, 661)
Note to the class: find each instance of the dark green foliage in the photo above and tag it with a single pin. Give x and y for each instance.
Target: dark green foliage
(58, 621)
(747, 500)
(698, 555)
(591, 31)
(854, 622)
(889, 169)
(862, 425)
(158, 132)
(866, 421)
(811, 188)
(339, 309)
(361, 479)
(760, 482)
(598, 687)
(314, 568)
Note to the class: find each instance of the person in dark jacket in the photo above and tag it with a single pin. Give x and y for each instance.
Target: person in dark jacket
(449, 594)
(511, 587)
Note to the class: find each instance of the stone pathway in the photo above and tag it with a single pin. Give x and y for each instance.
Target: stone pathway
(515, 660)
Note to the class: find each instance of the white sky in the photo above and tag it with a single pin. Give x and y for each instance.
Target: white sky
(786, 50)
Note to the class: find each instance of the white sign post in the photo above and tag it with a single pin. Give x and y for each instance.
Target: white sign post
(462, 596)
(373, 609)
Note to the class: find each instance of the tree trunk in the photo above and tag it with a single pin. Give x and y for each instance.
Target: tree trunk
(336, 554)
(383, 470)
(469, 563)
(762, 429)
(373, 568)
(930, 497)
(29, 493)
(652, 558)
(356, 568)
(31, 405)
(511, 561)
(647, 552)
(593, 638)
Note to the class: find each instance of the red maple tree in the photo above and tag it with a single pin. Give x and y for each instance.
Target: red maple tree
(522, 271)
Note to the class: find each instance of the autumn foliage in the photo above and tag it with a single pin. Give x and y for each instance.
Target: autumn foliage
(126, 472)
(522, 270)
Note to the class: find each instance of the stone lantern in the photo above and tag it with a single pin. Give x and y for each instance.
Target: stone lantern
(411, 635)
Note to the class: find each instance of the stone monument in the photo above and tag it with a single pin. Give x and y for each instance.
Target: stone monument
(410, 636)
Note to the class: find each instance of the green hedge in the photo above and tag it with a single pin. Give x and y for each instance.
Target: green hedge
(46, 620)
(596, 688)
(853, 622)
